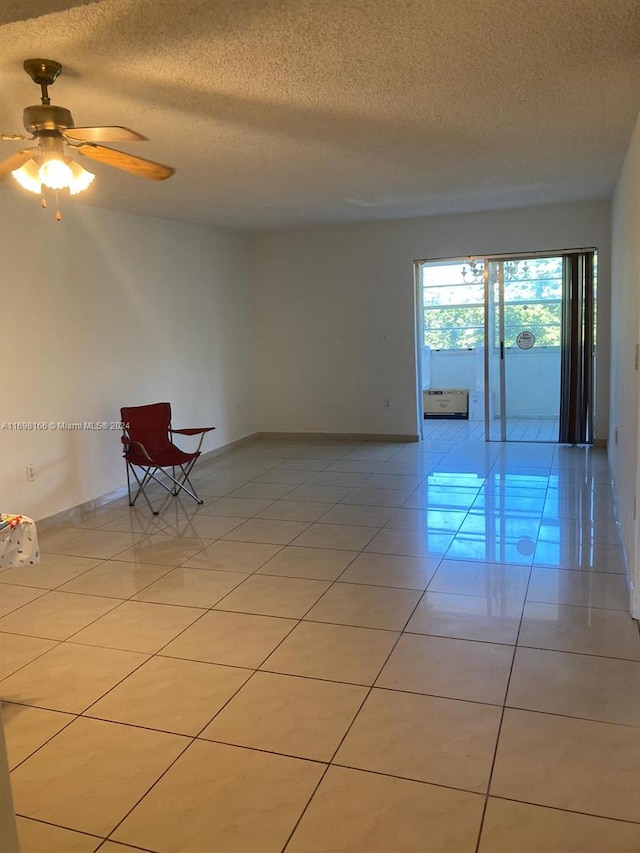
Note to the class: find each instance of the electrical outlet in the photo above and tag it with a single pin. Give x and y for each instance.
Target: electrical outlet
(387, 404)
(31, 472)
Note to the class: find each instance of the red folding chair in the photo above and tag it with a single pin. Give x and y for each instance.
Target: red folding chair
(148, 446)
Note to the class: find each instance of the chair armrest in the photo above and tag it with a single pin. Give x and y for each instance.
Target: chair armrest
(195, 431)
(128, 444)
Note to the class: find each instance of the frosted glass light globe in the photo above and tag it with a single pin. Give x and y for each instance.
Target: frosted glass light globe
(55, 174)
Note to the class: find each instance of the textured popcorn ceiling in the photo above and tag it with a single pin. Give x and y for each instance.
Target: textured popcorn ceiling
(280, 112)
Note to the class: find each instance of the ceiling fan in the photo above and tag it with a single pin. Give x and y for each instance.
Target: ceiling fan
(49, 163)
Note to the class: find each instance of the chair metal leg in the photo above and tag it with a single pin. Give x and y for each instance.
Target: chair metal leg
(127, 466)
(185, 479)
(147, 477)
(177, 484)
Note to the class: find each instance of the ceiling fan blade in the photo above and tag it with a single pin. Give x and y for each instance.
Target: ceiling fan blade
(15, 161)
(120, 160)
(103, 134)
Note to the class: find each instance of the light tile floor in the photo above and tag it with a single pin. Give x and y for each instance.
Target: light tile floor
(517, 429)
(356, 648)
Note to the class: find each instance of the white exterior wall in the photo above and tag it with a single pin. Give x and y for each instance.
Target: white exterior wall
(532, 378)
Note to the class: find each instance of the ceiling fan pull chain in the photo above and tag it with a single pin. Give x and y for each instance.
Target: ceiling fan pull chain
(43, 202)
(58, 214)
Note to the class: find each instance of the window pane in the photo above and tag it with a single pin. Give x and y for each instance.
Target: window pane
(453, 299)
(454, 294)
(461, 327)
(525, 291)
(544, 320)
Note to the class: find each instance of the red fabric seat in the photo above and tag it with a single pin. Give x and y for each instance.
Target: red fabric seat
(148, 446)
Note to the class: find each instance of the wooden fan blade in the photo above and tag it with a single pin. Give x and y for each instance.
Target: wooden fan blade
(103, 134)
(120, 160)
(15, 161)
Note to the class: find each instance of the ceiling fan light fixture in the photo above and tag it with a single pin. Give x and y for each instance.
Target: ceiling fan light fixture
(28, 177)
(82, 179)
(55, 173)
(48, 164)
(31, 176)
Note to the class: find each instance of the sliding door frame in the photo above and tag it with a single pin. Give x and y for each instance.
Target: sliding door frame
(487, 258)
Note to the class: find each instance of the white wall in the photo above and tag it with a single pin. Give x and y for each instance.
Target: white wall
(456, 369)
(532, 378)
(334, 310)
(103, 310)
(625, 276)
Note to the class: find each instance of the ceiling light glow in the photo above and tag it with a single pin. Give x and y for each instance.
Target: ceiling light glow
(55, 174)
(28, 177)
(82, 179)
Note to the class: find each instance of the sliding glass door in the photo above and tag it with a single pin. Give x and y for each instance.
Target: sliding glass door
(524, 325)
(507, 347)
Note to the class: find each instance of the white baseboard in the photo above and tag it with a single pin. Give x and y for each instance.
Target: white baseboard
(67, 516)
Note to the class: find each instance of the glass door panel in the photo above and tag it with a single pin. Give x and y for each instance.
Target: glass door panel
(489, 331)
(523, 364)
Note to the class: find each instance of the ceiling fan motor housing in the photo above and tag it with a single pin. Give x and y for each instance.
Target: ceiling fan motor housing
(40, 118)
(42, 71)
